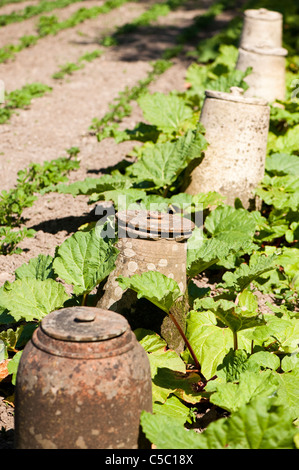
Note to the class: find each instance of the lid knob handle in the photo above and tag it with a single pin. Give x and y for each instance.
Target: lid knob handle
(85, 316)
(237, 91)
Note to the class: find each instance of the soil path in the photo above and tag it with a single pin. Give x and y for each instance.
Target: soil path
(61, 118)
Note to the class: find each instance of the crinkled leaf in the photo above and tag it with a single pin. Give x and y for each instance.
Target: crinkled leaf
(279, 164)
(210, 342)
(264, 359)
(288, 114)
(231, 396)
(244, 274)
(84, 260)
(282, 192)
(167, 112)
(154, 286)
(227, 312)
(123, 199)
(230, 224)
(150, 340)
(32, 299)
(161, 164)
(288, 392)
(288, 142)
(260, 424)
(40, 268)
(173, 407)
(290, 362)
(95, 185)
(205, 252)
(166, 432)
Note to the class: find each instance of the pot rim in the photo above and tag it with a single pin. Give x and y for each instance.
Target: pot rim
(263, 14)
(235, 95)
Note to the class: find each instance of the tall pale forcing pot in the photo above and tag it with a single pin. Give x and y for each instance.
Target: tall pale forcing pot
(82, 382)
(234, 162)
(262, 26)
(148, 241)
(267, 78)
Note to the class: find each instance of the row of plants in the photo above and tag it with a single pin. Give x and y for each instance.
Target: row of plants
(104, 127)
(237, 359)
(30, 182)
(6, 2)
(51, 25)
(44, 6)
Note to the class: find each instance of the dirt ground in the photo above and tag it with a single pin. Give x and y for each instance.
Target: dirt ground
(61, 118)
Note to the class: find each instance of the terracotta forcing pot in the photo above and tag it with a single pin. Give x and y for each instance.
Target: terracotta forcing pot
(82, 382)
(237, 131)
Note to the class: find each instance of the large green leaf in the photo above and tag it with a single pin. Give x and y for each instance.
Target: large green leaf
(167, 112)
(160, 164)
(279, 164)
(32, 299)
(287, 142)
(231, 396)
(227, 312)
(260, 424)
(153, 286)
(280, 191)
(203, 253)
(245, 274)
(230, 224)
(210, 342)
(84, 260)
(167, 432)
(95, 185)
(40, 267)
(173, 407)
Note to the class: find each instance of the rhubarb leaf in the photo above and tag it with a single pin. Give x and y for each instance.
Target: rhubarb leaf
(40, 268)
(154, 286)
(260, 424)
(167, 112)
(32, 299)
(84, 260)
(161, 164)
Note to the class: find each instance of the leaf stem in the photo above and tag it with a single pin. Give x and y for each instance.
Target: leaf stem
(197, 365)
(84, 299)
(235, 340)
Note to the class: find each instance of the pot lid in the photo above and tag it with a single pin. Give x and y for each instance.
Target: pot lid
(83, 324)
(155, 224)
(236, 95)
(263, 14)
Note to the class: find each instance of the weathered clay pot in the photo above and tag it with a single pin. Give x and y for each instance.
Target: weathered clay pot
(148, 241)
(267, 79)
(262, 26)
(234, 162)
(82, 383)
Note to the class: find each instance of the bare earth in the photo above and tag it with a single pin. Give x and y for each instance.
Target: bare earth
(61, 118)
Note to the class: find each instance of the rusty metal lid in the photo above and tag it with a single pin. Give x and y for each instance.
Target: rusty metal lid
(83, 324)
(235, 95)
(154, 224)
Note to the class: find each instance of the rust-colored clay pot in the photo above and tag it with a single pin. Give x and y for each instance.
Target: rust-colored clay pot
(82, 382)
